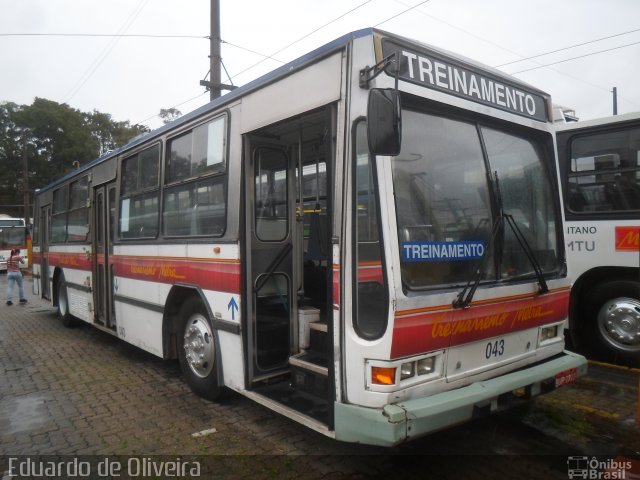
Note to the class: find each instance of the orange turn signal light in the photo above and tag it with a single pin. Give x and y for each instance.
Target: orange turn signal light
(383, 376)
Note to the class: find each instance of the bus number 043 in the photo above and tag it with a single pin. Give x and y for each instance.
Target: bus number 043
(494, 349)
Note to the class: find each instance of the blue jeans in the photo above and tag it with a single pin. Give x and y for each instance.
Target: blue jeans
(14, 277)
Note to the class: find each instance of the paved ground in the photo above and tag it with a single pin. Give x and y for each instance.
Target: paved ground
(83, 392)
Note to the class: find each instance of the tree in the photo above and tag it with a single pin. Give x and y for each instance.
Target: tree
(10, 157)
(59, 133)
(57, 138)
(169, 114)
(110, 134)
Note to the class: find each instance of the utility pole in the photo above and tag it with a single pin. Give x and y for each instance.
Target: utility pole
(25, 179)
(25, 190)
(214, 57)
(214, 84)
(615, 100)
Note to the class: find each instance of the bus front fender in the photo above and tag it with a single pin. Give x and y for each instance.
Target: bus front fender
(397, 423)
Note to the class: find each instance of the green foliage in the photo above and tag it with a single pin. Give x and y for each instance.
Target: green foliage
(169, 114)
(56, 139)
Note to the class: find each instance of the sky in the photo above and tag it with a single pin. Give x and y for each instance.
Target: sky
(133, 77)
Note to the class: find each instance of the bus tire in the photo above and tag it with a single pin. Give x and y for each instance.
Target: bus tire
(197, 350)
(63, 304)
(613, 313)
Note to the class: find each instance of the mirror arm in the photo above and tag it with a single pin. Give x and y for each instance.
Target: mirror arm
(369, 73)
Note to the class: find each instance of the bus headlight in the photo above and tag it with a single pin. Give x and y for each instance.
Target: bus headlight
(550, 334)
(426, 365)
(407, 370)
(390, 376)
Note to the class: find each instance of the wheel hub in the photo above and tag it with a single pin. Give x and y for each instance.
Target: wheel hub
(619, 323)
(198, 346)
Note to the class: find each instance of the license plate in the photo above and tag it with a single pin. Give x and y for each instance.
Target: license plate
(566, 376)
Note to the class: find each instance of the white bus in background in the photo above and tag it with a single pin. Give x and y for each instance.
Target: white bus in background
(12, 235)
(375, 252)
(599, 163)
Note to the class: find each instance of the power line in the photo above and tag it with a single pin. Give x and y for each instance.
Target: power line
(575, 58)
(316, 30)
(175, 106)
(569, 47)
(455, 27)
(303, 37)
(113, 35)
(502, 47)
(251, 51)
(401, 13)
(266, 57)
(105, 53)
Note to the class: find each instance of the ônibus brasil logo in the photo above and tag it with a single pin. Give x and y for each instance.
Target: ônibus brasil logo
(595, 469)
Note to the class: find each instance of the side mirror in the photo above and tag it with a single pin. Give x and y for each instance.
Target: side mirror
(384, 121)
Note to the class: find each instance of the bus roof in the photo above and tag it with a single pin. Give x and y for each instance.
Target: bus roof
(272, 76)
(596, 122)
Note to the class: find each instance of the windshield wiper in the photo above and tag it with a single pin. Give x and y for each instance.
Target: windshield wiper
(465, 297)
(526, 248)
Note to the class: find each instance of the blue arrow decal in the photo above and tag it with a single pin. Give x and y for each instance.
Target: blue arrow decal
(233, 306)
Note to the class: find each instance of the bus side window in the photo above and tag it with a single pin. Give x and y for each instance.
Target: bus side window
(370, 319)
(604, 172)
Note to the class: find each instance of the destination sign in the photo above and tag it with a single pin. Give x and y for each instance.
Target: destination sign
(441, 251)
(435, 71)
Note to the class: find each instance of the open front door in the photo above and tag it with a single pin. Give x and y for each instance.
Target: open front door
(271, 286)
(288, 273)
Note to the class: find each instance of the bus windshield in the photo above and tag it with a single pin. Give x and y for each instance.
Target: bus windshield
(446, 207)
(11, 235)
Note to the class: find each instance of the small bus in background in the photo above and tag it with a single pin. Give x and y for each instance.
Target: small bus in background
(12, 235)
(599, 163)
(367, 240)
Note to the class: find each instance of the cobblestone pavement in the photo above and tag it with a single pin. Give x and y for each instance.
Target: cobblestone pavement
(83, 392)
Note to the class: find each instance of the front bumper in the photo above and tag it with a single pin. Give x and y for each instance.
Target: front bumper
(398, 423)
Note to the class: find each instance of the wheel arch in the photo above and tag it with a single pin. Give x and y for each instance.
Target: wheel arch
(178, 296)
(581, 287)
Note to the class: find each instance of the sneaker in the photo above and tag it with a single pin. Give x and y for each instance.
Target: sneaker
(9, 302)
(23, 300)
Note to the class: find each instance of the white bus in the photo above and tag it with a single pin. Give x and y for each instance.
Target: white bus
(375, 252)
(600, 170)
(13, 235)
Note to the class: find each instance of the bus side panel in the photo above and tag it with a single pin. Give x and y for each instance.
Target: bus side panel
(313, 87)
(36, 271)
(139, 323)
(72, 262)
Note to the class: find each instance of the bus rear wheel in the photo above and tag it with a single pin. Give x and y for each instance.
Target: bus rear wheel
(613, 309)
(197, 350)
(63, 304)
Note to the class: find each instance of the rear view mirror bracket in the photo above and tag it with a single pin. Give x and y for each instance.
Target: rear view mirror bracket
(384, 113)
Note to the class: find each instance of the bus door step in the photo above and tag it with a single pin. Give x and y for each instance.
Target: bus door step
(309, 373)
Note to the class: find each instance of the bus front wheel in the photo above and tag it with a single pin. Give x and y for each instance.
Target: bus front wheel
(613, 309)
(197, 350)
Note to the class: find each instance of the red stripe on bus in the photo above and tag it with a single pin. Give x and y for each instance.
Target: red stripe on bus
(222, 275)
(78, 261)
(425, 332)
